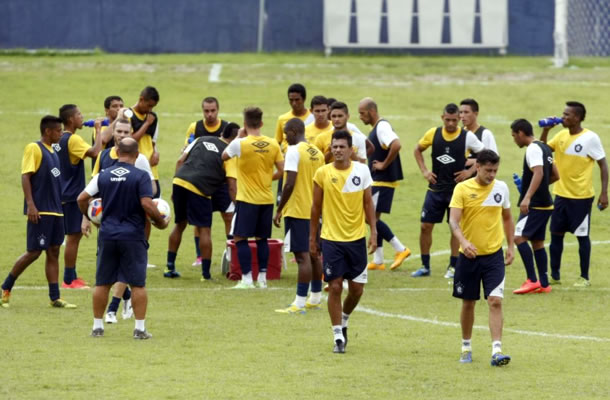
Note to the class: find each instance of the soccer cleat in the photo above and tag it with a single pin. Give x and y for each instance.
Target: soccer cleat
(400, 257)
(582, 282)
(197, 262)
(466, 357)
(98, 332)
(76, 284)
(542, 289)
(499, 359)
(344, 330)
(61, 303)
(339, 347)
(555, 281)
(243, 285)
(373, 266)
(292, 309)
(527, 287)
(450, 272)
(127, 309)
(202, 279)
(313, 306)
(171, 273)
(261, 283)
(111, 318)
(6, 296)
(423, 271)
(141, 335)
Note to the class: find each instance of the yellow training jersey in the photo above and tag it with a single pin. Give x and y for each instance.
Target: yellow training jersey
(231, 168)
(482, 207)
(280, 137)
(324, 139)
(343, 217)
(210, 128)
(256, 158)
(312, 131)
(145, 144)
(304, 159)
(575, 156)
(77, 148)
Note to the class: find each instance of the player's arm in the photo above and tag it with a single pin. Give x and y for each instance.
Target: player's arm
(26, 185)
(151, 210)
(554, 174)
(545, 134)
(314, 222)
(232, 182)
(370, 147)
(419, 158)
(393, 150)
(509, 232)
(534, 185)
(83, 202)
(369, 212)
(279, 170)
(602, 202)
(287, 189)
(101, 138)
(150, 118)
(455, 216)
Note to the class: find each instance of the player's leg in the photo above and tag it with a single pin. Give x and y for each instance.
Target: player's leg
(356, 255)
(467, 287)
(55, 237)
(584, 243)
(335, 266)
(245, 220)
(205, 247)
(20, 265)
(559, 225)
(454, 243)
(466, 323)
(425, 243)
(120, 291)
(315, 298)
(134, 257)
(262, 234)
(73, 220)
(432, 213)
(180, 200)
(531, 283)
(197, 261)
(384, 205)
(297, 232)
(199, 214)
(107, 269)
(493, 277)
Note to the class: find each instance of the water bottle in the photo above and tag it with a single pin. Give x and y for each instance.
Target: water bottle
(552, 121)
(517, 180)
(191, 138)
(91, 123)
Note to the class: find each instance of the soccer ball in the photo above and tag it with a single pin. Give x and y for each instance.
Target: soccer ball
(163, 207)
(95, 211)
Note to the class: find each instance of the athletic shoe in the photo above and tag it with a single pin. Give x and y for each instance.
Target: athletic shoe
(61, 303)
(499, 359)
(292, 309)
(544, 289)
(423, 271)
(202, 279)
(127, 309)
(6, 296)
(582, 282)
(76, 284)
(527, 287)
(312, 306)
(98, 332)
(344, 330)
(197, 262)
(399, 257)
(171, 273)
(554, 281)
(261, 283)
(372, 266)
(141, 335)
(466, 357)
(450, 272)
(339, 347)
(111, 318)
(243, 285)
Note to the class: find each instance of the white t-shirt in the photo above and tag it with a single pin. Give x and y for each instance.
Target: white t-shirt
(292, 158)
(534, 155)
(359, 140)
(141, 163)
(473, 143)
(385, 134)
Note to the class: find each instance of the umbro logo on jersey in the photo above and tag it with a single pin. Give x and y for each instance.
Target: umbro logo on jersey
(211, 147)
(356, 180)
(445, 159)
(119, 171)
(260, 144)
(498, 197)
(578, 148)
(55, 172)
(334, 180)
(56, 146)
(312, 151)
(473, 195)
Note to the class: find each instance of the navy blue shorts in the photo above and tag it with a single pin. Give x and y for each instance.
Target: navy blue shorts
(533, 225)
(191, 207)
(73, 218)
(470, 272)
(252, 220)
(382, 198)
(344, 260)
(572, 215)
(121, 261)
(48, 232)
(436, 206)
(297, 234)
(221, 201)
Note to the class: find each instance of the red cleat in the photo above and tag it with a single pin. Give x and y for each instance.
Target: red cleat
(544, 289)
(528, 287)
(77, 283)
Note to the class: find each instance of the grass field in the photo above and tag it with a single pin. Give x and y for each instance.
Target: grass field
(210, 342)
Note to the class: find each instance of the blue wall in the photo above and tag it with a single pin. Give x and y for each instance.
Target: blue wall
(186, 26)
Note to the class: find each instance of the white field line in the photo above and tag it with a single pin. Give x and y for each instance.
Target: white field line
(215, 73)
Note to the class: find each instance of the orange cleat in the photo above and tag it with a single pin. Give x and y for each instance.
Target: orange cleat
(528, 287)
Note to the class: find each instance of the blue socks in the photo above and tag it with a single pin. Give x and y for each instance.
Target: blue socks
(9, 282)
(528, 260)
(452, 261)
(244, 256)
(316, 286)
(542, 264)
(556, 248)
(302, 289)
(171, 259)
(54, 291)
(127, 294)
(197, 250)
(69, 275)
(262, 252)
(114, 304)
(205, 268)
(383, 231)
(584, 251)
(425, 260)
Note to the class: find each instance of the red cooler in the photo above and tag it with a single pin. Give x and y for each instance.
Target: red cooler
(274, 267)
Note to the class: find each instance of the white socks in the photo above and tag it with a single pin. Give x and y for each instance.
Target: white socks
(299, 301)
(247, 278)
(378, 256)
(397, 245)
(262, 277)
(338, 333)
(315, 297)
(344, 319)
(496, 347)
(140, 325)
(98, 323)
(466, 345)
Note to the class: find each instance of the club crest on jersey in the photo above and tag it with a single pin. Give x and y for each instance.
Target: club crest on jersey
(211, 147)
(42, 239)
(56, 146)
(445, 159)
(55, 171)
(459, 288)
(447, 150)
(578, 148)
(356, 180)
(498, 197)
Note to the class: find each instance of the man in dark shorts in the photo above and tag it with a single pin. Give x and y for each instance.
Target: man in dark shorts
(342, 195)
(126, 194)
(480, 218)
(40, 172)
